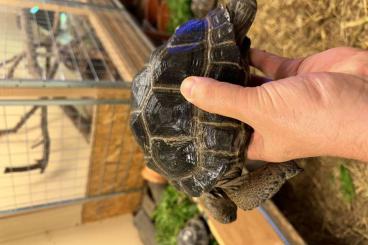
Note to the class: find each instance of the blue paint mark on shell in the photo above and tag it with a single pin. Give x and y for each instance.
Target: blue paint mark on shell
(192, 26)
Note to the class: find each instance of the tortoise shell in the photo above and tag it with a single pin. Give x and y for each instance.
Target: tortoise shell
(194, 149)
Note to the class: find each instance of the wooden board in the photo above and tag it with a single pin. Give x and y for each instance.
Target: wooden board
(115, 165)
(252, 227)
(116, 157)
(283, 224)
(145, 227)
(34, 223)
(125, 43)
(115, 206)
(67, 93)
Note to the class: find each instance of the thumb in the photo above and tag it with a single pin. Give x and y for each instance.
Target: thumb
(220, 98)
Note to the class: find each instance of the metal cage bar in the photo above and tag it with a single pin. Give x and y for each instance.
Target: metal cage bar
(62, 100)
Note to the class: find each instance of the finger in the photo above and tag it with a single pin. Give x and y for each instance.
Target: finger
(255, 148)
(259, 152)
(217, 97)
(274, 66)
(256, 80)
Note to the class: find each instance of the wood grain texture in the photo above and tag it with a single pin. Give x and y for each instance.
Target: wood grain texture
(288, 230)
(68, 93)
(125, 43)
(99, 210)
(252, 227)
(34, 223)
(116, 159)
(115, 165)
(249, 228)
(145, 227)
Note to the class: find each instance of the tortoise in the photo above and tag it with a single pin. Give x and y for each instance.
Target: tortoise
(200, 153)
(195, 232)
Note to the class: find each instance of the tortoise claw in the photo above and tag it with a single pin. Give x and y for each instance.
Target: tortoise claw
(220, 207)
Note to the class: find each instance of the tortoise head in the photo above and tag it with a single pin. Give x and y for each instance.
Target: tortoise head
(242, 14)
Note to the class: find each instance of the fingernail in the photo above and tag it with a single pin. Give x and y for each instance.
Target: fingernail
(187, 87)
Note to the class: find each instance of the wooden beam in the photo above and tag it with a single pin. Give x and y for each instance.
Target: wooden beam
(70, 7)
(283, 224)
(249, 228)
(38, 222)
(44, 6)
(67, 93)
(115, 165)
(125, 43)
(99, 210)
(116, 159)
(252, 227)
(145, 227)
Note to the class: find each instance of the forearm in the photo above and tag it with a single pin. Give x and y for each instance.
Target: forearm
(358, 150)
(356, 133)
(364, 152)
(361, 151)
(342, 121)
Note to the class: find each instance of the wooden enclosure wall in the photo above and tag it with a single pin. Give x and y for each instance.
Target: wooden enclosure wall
(129, 50)
(113, 146)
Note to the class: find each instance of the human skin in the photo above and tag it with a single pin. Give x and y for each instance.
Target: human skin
(313, 106)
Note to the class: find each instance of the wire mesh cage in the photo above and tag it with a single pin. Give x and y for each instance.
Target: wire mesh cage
(64, 134)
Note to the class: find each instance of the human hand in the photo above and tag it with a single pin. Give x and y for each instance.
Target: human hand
(312, 107)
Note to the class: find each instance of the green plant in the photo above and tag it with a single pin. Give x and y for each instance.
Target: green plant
(213, 242)
(179, 13)
(171, 214)
(347, 185)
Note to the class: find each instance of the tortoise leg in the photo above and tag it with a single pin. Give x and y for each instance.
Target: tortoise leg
(251, 190)
(219, 206)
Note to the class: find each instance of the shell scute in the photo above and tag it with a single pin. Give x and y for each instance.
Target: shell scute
(168, 115)
(138, 128)
(140, 88)
(177, 158)
(220, 138)
(177, 63)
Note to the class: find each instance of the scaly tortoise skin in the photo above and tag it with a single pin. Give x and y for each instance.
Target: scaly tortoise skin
(200, 153)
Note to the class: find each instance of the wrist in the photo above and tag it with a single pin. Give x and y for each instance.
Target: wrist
(361, 151)
(350, 137)
(362, 131)
(356, 135)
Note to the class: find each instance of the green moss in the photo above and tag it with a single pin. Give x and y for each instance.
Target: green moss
(179, 13)
(346, 183)
(174, 210)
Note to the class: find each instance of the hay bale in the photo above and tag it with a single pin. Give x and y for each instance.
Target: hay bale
(297, 28)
